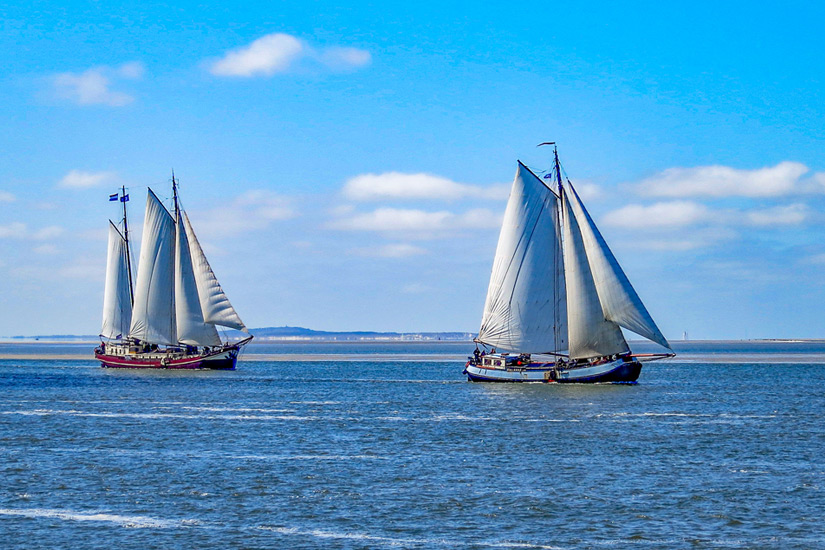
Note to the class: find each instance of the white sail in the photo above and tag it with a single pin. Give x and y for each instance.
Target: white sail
(591, 335)
(525, 307)
(215, 305)
(117, 296)
(619, 300)
(191, 328)
(153, 317)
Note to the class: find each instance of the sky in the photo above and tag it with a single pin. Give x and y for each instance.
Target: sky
(346, 167)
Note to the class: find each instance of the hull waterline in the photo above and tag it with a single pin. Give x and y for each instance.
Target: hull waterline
(618, 371)
(224, 359)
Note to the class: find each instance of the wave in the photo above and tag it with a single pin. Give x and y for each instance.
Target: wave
(123, 521)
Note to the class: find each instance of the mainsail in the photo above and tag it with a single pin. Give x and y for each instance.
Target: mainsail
(153, 317)
(191, 327)
(215, 305)
(117, 295)
(525, 307)
(619, 300)
(591, 335)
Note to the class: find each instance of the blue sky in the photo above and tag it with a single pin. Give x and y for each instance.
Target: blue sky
(347, 167)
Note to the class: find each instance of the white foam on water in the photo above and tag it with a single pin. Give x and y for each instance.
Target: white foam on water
(236, 409)
(337, 535)
(158, 415)
(308, 457)
(402, 542)
(121, 520)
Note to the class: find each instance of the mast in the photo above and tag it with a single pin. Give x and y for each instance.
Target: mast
(126, 238)
(556, 250)
(175, 195)
(558, 167)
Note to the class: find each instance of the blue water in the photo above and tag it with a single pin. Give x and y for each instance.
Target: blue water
(343, 454)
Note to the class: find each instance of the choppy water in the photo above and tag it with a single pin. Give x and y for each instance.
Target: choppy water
(365, 454)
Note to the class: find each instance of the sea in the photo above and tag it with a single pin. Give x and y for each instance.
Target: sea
(387, 445)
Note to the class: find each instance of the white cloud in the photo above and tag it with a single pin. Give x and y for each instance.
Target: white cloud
(588, 191)
(397, 185)
(662, 214)
(792, 214)
(418, 224)
(17, 230)
(47, 233)
(723, 181)
(395, 219)
(251, 211)
(78, 179)
(278, 52)
(94, 86)
(5, 196)
(267, 55)
(396, 250)
(345, 58)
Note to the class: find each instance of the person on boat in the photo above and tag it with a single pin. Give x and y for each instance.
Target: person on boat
(477, 356)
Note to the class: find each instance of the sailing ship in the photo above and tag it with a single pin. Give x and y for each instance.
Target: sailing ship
(170, 319)
(556, 287)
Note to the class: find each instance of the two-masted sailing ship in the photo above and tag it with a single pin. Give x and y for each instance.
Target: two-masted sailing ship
(170, 319)
(557, 299)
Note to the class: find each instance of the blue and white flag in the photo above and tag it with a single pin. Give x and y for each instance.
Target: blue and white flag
(548, 175)
(125, 198)
(113, 197)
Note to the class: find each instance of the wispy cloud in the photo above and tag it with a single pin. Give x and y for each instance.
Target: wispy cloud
(792, 214)
(724, 181)
(662, 214)
(279, 52)
(79, 179)
(5, 196)
(18, 230)
(400, 186)
(95, 86)
(251, 211)
(395, 250)
(417, 224)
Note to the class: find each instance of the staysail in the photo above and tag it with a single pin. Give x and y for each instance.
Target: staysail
(191, 327)
(591, 335)
(117, 295)
(525, 307)
(153, 317)
(618, 299)
(215, 305)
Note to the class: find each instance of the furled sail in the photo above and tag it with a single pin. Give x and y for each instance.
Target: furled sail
(117, 295)
(525, 308)
(619, 300)
(591, 335)
(215, 305)
(153, 317)
(191, 327)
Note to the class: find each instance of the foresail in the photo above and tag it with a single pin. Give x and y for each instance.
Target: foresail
(619, 300)
(191, 327)
(117, 296)
(525, 307)
(153, 316)
(591, 335)
(214, 303)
